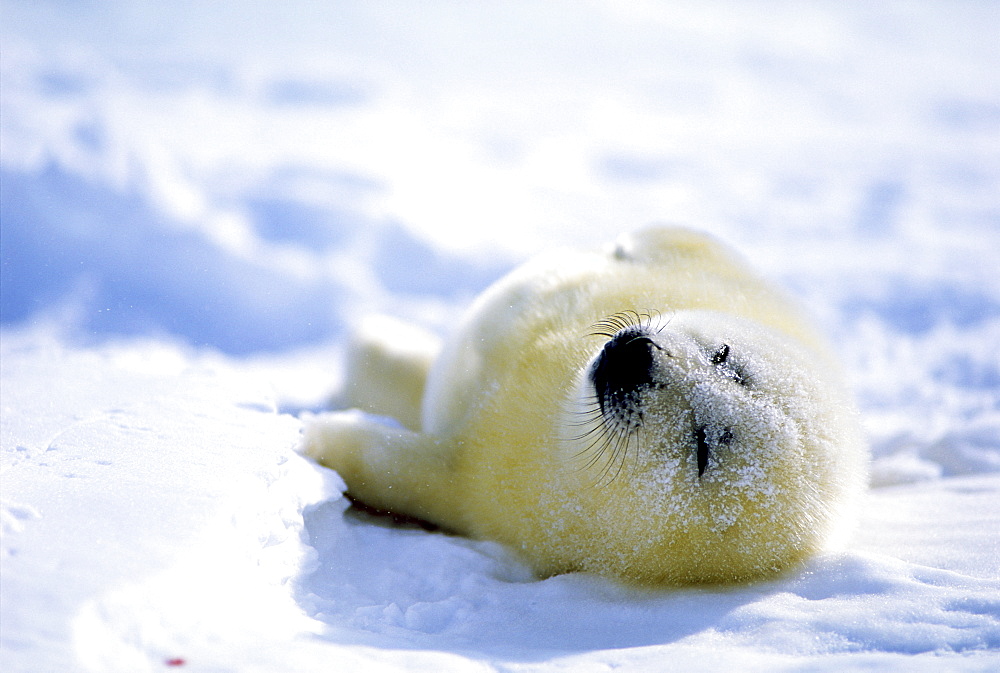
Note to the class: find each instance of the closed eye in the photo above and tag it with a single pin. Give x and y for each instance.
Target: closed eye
(707, 445)
(731, 370)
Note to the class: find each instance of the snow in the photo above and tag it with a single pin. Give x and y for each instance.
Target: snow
(198, 201)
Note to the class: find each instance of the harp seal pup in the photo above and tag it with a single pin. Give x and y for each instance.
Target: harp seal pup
(652, 411)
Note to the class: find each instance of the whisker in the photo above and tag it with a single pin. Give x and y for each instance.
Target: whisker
(610, 463)
(588, 433)
(621, 448)
(605, 441)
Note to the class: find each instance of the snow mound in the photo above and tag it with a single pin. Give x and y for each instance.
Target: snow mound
(137, 466)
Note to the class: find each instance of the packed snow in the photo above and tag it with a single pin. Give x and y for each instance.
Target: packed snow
(198, 202)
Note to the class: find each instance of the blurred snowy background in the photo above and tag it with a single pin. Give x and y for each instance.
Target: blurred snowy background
(230, 186)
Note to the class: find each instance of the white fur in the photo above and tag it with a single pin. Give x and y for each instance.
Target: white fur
(511, 448)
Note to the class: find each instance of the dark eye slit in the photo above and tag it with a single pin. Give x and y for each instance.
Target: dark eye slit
(720, 359)
(702, 448)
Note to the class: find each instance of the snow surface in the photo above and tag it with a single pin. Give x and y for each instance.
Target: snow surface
(198, 200)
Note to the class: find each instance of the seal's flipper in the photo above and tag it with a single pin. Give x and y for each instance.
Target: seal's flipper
(386, 370)
(387, 467)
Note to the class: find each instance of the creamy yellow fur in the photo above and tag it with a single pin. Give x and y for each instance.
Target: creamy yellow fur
(387, 352)
(502, 454)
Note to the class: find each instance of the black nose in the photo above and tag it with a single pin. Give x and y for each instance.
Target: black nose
(624, 366)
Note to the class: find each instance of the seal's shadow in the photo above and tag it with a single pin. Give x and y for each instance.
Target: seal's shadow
(389, 584)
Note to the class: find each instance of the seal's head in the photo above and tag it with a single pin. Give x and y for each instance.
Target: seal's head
(717, 440)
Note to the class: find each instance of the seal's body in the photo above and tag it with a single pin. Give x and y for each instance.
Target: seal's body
(653, 412)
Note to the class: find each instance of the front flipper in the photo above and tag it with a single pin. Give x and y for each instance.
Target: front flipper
(386, 369)
(385, 466)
